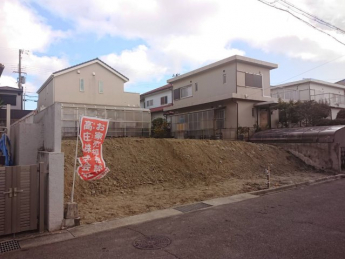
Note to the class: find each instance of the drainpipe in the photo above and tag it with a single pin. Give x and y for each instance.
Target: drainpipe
(257, 117)
(269, 117)
(237, 121)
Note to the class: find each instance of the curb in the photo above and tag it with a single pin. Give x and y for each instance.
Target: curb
(98, 227)
(293, 186)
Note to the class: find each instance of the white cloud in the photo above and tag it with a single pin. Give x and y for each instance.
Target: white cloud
(136, 65)
(201, 31)
(179, 35)
(8, 81)
(23, 28)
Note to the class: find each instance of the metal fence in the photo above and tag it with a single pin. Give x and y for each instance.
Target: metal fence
(123, 122)
(206, 124)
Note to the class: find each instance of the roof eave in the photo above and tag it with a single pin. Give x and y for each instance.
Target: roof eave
(93, 61)
(307, 81)
(50, 78)
(154, 92)
(231, 59)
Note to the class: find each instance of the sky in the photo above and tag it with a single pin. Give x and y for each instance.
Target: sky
(150, 40)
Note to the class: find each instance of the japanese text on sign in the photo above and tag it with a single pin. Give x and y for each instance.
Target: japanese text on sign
(92, 135)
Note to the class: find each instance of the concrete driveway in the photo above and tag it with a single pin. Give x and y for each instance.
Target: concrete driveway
(308, 222)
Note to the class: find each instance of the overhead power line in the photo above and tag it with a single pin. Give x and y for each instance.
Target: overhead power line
(306, 22)
(313, 17)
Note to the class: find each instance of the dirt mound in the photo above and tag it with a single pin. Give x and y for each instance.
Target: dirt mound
(148, 174)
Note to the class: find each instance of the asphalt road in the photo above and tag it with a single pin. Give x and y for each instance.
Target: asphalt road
(308, 222)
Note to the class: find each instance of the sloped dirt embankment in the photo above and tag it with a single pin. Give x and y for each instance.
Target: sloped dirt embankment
(151, 174)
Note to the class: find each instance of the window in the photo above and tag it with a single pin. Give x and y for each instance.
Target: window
(220, 118)
(164, 100)
(149, 103)
(183, 92)
(186, 91)
(224, 78)
(81, 85)
(253, 80)
(177, 94)
(100, 87)
(8, 99)
(196, 87)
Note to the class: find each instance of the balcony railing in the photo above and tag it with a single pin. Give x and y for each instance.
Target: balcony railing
(331, 99)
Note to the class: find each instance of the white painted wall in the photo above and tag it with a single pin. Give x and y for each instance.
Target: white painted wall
(156, 97)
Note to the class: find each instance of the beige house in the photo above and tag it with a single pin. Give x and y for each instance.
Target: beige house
(219, 99)
(92, 82)
(312, 89)
(95, 89)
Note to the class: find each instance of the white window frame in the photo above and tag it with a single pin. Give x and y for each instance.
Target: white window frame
(81, 85)
(191, 91)
(149, 103)
(100, 87)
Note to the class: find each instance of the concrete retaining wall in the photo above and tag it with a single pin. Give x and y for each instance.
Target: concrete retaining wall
(42, 134)
(319, 155)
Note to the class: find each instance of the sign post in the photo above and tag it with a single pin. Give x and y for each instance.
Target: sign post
(75, 159)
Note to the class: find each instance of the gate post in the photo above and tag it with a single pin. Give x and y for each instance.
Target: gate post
(54, 164)
(42, 194)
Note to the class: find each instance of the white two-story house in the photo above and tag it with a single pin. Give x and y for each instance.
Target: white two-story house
(312, 89)
(156, 100)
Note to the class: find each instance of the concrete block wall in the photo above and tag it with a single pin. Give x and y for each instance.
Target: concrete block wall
(50, 119)
(26, 140)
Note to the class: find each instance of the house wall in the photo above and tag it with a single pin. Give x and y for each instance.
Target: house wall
(320, 89)
(210, 86)
(66, 88)
(252, 92)
(18, 100)
(293, 92)
(46, 96)
(155, 115)
(334, 112)
(245, 117)
(156, 97)
(305, 94)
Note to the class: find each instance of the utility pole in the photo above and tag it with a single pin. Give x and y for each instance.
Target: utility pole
(21, 80)
(20, 76)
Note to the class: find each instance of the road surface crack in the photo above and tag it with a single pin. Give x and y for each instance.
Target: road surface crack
(172, 254)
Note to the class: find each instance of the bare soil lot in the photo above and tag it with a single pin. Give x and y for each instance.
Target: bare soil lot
(152, 174)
